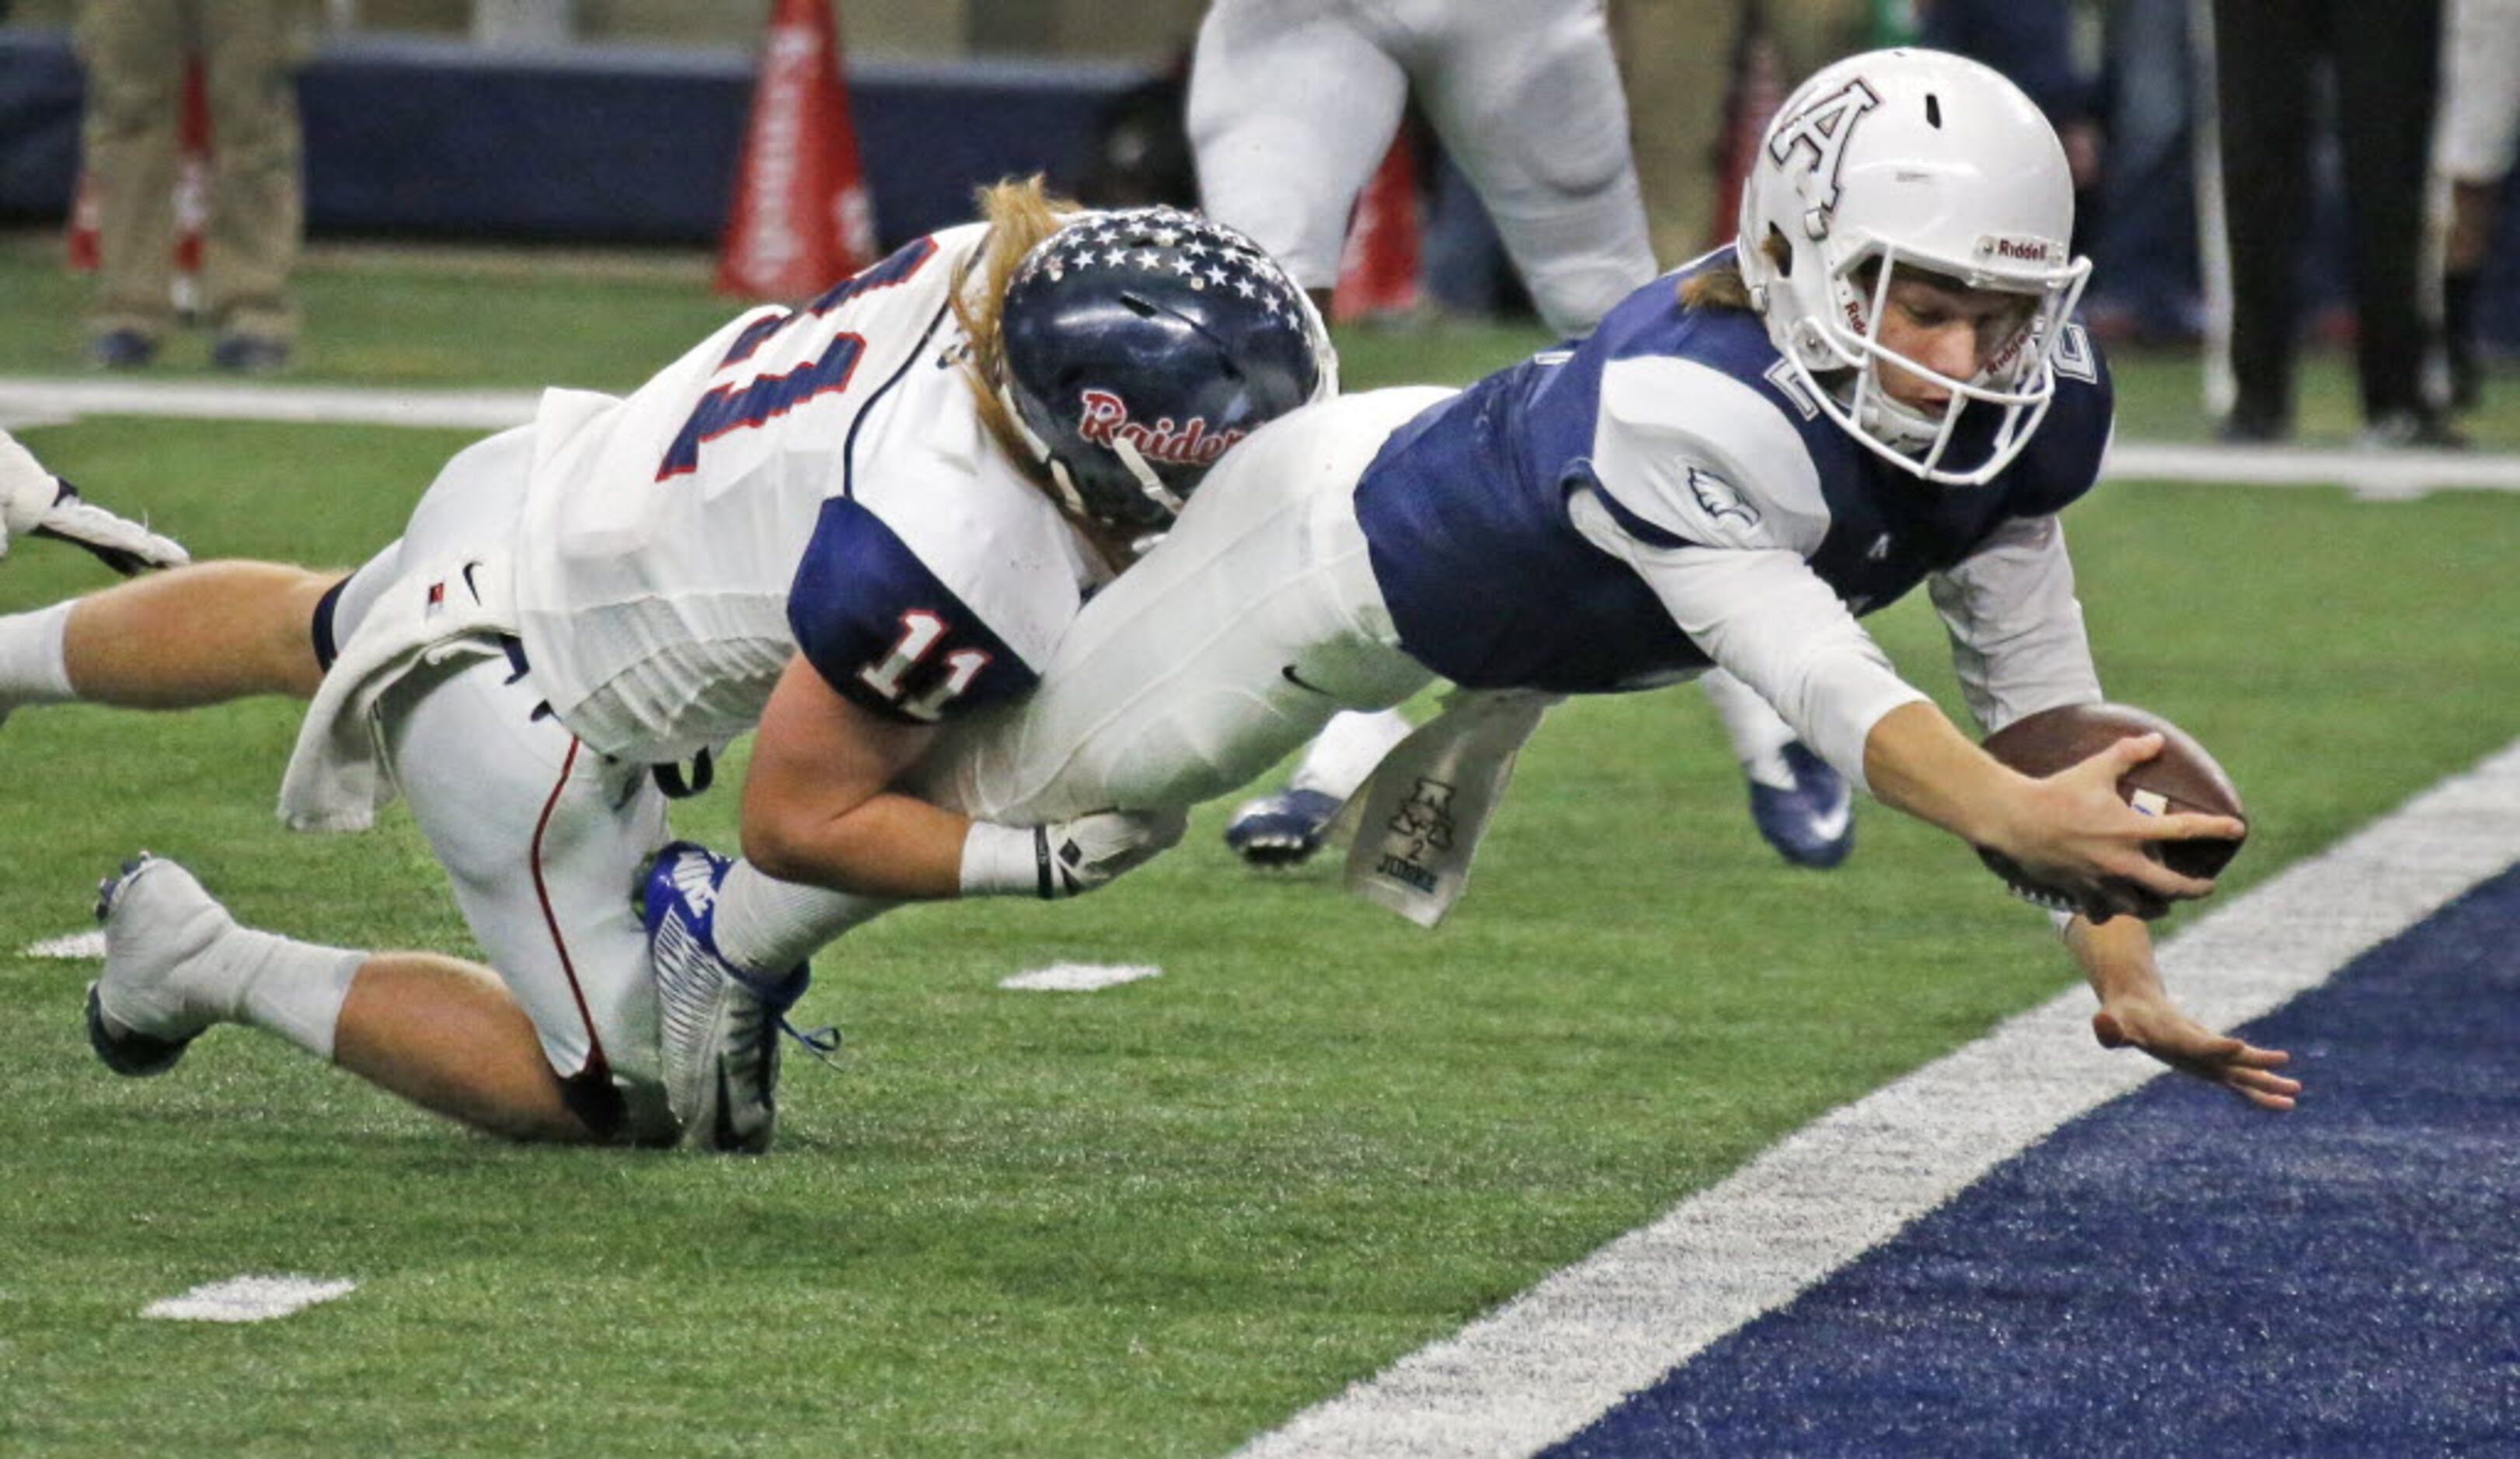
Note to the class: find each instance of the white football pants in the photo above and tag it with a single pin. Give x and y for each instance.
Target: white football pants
(1202, 667)
(543, 840)
(1294, 102)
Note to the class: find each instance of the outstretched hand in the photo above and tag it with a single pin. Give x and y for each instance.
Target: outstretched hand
(2190, 1048)
(33, 501)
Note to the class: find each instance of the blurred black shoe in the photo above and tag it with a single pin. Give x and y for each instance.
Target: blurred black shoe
(121, 349)
(2403, 429)
(2250, 428)
(249, 354)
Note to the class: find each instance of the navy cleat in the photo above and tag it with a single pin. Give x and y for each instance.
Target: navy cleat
(157, 920)
(1812, 821)
(1282, 829)
(720, 1025)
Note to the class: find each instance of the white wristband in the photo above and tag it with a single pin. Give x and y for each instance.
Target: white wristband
(1005, 860)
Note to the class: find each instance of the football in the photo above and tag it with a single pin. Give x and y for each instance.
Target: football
(2183, 777)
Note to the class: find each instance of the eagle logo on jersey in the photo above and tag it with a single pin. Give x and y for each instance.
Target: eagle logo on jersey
(1824, 126)
(1106, 418)
(1719, 499)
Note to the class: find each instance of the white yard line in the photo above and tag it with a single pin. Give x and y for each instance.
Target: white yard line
(248, 1299)
(29, 402)
(1079, 977)
(1548, 1362)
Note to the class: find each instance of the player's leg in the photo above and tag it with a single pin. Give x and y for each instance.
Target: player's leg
(1801, 807)
(2480, 130)
(544, 843)
(1219, 655)
(191, 636)
(1289, 825)
(256, 201)
(1290, 108)
(1526, 96)
(133, 52)
(177, 964)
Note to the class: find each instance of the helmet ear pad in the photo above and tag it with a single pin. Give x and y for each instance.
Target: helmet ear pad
(1139, 345)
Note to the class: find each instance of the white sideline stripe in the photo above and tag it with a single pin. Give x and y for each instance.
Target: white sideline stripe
(2373, 473)
(1551, 1362)
(1079, 977)
(30, 401)
(70, 947)
(25, 402)
(248, 1299)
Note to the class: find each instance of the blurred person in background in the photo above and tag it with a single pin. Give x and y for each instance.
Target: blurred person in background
(136, 53)
(1292, 103)
(2270, 58)
(2480, 125)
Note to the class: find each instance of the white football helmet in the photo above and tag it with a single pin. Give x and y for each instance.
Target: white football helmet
(1927, 160)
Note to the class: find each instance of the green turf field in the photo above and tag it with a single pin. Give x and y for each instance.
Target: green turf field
(1150, 1221)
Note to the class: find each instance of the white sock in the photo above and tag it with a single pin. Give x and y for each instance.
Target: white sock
(32, 670)
(1757, 732)
(1346, 751)
(292, 989)
(767, 927)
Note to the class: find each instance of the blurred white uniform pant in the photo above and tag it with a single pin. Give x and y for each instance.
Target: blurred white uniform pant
(1203, 666)
(1294, 102)
(542, 839)
(2480, 102)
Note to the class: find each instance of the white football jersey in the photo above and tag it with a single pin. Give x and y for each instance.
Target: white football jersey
(814, 478)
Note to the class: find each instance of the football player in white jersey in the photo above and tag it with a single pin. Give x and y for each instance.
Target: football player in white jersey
(1291, 102)
(900, 493)
(1879, 385)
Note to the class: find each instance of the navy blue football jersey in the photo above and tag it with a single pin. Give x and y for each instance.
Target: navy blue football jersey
(1689, 427)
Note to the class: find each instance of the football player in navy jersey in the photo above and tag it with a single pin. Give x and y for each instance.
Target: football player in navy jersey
(1290, 104)
(1879, 385)
(880, 508)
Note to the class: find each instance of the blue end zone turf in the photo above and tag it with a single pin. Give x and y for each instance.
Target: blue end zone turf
(2177, 1272)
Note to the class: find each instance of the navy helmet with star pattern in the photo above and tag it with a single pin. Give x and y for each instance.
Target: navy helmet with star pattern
(1142, 344)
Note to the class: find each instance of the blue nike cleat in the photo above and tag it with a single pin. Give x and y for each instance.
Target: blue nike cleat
(1282, 829)
(720, 1025)
(1811, 822)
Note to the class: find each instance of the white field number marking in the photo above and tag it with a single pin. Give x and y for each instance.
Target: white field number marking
(70, 947)
(1079, 977)
(248, 1299)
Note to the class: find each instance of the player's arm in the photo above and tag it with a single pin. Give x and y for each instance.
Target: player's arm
(2017, 638)
(821, 808)
(819, 805)
(1766, 617)
(2136, 1012)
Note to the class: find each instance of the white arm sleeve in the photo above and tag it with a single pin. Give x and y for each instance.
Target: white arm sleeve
(1766, 617)
(2015, 625)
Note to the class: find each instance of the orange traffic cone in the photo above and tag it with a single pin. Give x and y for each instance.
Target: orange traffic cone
(802, 219)
(192, 197)
(1378, 268)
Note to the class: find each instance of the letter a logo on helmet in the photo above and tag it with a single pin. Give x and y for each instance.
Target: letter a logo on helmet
(1824, 126)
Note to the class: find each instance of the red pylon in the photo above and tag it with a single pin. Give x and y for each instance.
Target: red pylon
(802, 219)
(192, 195)
(1378, 267)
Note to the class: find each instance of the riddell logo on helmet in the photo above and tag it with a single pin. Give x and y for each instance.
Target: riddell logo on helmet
(1188, 444)
(2021, 249)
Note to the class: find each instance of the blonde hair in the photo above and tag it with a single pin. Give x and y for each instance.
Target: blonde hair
(1724, 288)
(1021, 214)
